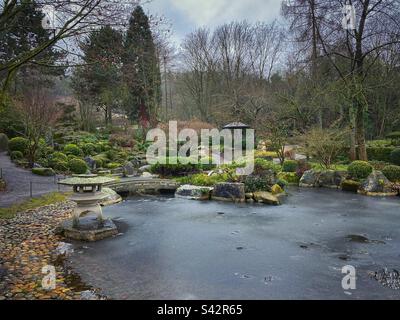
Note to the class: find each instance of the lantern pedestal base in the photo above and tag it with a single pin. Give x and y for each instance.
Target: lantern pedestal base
(89, 229)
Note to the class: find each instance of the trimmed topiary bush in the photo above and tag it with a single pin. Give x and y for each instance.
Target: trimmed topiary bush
(18, 144)
(61, 166)
(3, 142)
(360, 170)
(289, 166)
(392, 173)
(58, 156)
(16, 155)
(73, 149)
(395, 157)
(77, 166)
(46, 172)
(379, 153)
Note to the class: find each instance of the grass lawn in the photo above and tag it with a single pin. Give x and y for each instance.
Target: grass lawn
(51, 198)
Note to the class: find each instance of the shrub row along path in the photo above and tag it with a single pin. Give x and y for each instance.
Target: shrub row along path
(18, 183)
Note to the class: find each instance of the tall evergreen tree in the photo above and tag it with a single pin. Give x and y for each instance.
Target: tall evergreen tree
(98, 82)
(141, 70)
(21, 35)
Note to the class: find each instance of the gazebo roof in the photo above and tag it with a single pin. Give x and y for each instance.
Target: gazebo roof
(236, 125)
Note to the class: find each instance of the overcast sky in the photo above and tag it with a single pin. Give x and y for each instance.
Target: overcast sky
(188, 15)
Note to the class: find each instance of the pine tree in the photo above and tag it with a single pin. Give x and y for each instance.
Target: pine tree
(141, 70)
(99, 81)
(21, 35)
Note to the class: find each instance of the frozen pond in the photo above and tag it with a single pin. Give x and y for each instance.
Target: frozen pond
(181, 249)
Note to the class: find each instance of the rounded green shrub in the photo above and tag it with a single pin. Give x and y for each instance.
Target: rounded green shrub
(392, 173)
(18, 144)
(3, 142)
(61, 166)
(46, 172)
(262, 165)
(289, 166)
(360, 170)
(89, 149)
(379, 153)
(111, 154)
(77, 166)
(43, 162)
(16, 155)
(282, 183)
(395, 157)
(73, 149)
(114, 165)
(99, 162)
(59, 156)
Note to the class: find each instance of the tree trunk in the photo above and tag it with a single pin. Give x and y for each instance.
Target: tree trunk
(360, 133)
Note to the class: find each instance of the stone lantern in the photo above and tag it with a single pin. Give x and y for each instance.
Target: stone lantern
(87, 195)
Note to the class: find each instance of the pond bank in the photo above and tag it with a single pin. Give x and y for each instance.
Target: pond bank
(28, 242)
(182, 249)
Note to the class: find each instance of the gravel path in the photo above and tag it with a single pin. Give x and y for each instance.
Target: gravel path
(29, 242)
(18, 183)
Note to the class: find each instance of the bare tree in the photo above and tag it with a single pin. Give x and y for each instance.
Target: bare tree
(38, 114)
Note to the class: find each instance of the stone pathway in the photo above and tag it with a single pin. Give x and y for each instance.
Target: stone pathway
(28, 242)
(18, 183)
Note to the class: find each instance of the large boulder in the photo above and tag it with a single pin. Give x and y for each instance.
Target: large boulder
(226, 191)
(193, 192)
(266, 197)
(91, 163)
(111, 198)
(377, 185)
(145, 168)
(309, 179)
(350, 185)
(129, 170)
(331, 179)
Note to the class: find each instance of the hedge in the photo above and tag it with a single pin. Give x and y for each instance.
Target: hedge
(47, 172)
(379, 153)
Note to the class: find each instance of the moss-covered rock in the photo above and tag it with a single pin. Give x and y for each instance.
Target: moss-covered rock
(377, 185)
(267, 198)
(350, 185)
(276, 189)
